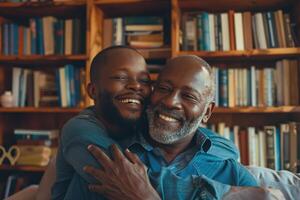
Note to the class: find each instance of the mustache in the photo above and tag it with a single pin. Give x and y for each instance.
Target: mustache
(170, 112)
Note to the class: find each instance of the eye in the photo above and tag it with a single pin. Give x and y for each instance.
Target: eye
(119, 77)
(163, 88)
(189, 96)
(145, 80)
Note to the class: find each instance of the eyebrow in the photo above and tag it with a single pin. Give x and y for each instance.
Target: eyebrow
(192, 90)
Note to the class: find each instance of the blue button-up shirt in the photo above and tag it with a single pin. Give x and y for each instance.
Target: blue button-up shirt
(203, 171)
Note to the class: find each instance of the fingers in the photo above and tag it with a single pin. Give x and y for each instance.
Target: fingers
(97, 188)
(133, 157)
(96, 173)
(116, 153)
(101, 157)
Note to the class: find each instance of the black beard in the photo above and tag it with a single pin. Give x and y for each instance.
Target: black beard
(111, 114)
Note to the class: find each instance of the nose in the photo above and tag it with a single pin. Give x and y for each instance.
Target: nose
(133, 85)
(172, 100)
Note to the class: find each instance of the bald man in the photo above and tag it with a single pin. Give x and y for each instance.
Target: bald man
(183, 160)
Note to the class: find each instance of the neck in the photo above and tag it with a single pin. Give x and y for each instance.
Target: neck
(116, 131)
(171, 151)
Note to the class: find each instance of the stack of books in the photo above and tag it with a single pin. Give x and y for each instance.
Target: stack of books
(138, 32)
(36, 146)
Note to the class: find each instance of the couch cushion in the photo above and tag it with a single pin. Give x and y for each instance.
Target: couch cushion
(287, 182)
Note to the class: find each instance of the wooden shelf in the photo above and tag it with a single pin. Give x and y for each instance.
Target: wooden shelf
(22, 168)
(42, 59)
(37, 9)
(262, 110)
(237, 5)
(116, 8)
(39, 110)
(157, 53)
(248, 55)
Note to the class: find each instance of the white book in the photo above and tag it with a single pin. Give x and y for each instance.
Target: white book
(261, 35)
(239, 32)
(221, 128)
(119, 31)
(212, 45)
(48, 30)
(227, 132)
(262, 148)
(225, 32)
(68, 36)
(216, 74)
(252, 146)
(253, 86)
(245, 87)
(16, 85)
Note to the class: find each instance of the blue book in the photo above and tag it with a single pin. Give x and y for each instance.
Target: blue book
(6, 39)
(11, 39)
(223, 87)
(200, 32)
(277, 150)
(15, 47)
(72, 85)
(67, 77)
(205, 31)
(272, 30)
(57, 85)
(40, 37)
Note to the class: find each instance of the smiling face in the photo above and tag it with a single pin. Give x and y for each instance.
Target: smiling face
(179, 102)
(122, 89)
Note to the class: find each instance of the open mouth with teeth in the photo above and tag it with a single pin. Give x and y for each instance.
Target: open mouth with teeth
(167, 118)
(131, 101)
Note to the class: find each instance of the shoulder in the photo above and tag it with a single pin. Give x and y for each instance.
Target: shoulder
(220, 146)
(84, 126)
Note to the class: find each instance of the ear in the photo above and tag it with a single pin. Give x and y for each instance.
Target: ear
(91, 89)
(208, 112)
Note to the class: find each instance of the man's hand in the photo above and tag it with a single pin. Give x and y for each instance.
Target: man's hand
(121, 178)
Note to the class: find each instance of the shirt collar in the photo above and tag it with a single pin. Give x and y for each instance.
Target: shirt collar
(203, 142)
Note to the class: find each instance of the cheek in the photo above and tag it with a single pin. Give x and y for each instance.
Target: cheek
(194, 111)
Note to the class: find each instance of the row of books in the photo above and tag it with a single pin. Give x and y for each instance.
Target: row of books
(36, 146)
(138, 32)
(255, 86)
(63, 87)
(237, 31)
(275, 147)
(42, 36)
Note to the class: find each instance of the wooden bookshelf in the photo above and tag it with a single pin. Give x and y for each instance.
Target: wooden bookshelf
(10, 168)
(38, 9)
(40, 110)
(43, 59)
(247, 55)
(258, 110)
(225, 5)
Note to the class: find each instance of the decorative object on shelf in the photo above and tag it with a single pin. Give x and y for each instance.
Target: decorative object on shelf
(12, 154)
(7, 99)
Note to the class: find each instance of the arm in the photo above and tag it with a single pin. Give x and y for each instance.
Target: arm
(77, 134)
(127, 179)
